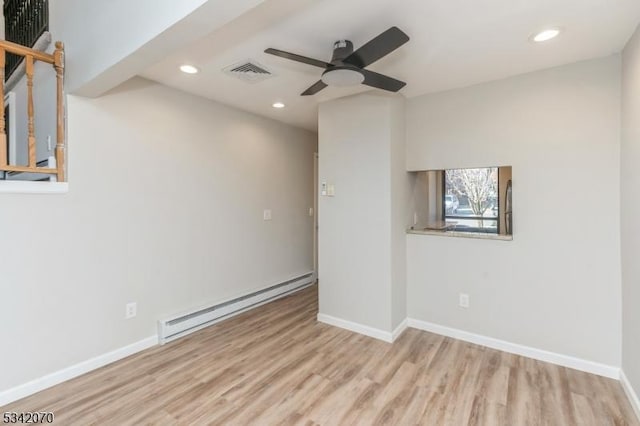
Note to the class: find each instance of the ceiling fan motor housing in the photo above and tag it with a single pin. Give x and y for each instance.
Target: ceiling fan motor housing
(341, 50)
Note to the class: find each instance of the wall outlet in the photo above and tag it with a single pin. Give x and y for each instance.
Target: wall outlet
(464, 300)
(131, 310)
(266, 215)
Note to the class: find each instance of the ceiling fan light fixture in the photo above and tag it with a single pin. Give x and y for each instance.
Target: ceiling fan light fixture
(342, 77)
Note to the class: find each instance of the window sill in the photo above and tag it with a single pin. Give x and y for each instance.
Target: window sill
(26, 187)
(459, 234)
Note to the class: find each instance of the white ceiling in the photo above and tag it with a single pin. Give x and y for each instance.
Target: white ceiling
(454, 43)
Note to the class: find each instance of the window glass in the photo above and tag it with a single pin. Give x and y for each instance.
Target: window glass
(471, 199)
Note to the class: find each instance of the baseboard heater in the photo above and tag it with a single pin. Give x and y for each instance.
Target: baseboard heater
(181, 325)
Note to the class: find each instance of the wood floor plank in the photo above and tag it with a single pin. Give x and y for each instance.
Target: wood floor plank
(276, 365)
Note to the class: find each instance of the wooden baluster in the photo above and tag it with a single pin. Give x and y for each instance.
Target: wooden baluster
(30, 113)
(3, 133)
(60, 153)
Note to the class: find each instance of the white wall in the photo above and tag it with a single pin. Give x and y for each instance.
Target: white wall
(630, 210)
(165, 206)
(360, 277)
(556, 286)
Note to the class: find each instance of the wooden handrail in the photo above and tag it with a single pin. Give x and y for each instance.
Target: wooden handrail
(18, 49)
(57, 60)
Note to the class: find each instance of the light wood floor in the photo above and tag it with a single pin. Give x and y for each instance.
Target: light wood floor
(277, 365)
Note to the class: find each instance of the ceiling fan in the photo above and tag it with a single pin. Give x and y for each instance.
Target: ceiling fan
(347, 67)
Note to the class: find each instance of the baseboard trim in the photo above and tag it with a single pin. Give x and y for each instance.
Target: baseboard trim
(514, 348)
(631, 393)
(365, 329)
(400, 329)
(21, 391)
(356, 328)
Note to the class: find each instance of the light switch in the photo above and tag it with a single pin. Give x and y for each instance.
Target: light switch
(464, 300)
(266, 214)
(331, 190)
(323, 189)
(311, 211)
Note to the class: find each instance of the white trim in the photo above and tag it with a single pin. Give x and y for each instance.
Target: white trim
(357, 328)
(631, 394)
(514, 348)
(400, 329)
(28, 187)
(21, 391)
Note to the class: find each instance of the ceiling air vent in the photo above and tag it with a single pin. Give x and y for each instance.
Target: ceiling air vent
(249, 71)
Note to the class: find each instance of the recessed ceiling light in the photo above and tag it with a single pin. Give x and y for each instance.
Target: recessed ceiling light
(278, 105)
(189, 69)
(546, 35)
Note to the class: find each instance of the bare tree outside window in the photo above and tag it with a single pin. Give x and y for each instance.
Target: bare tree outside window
(477, 190)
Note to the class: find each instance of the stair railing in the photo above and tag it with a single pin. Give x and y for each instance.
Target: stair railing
(57, 61)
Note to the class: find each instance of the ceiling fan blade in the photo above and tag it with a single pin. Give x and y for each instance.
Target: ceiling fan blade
(380, 81)
(380, 46)
(298, 58)
(314, 89)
